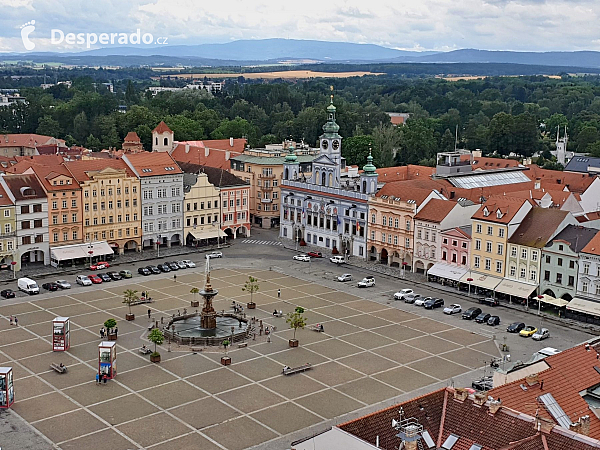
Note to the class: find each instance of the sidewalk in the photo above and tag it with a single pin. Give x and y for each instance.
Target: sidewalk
(37, 271)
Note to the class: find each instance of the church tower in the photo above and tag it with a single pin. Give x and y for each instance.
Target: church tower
(561, 146)
(368, 178)
(162, 138)
(291, 166)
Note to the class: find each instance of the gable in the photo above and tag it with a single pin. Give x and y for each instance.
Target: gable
(323, 159)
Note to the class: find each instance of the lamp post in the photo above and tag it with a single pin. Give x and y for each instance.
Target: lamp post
(404, 264)
(469, 280)
(91, 252)
(158, 246)
(540, 298)
(14, 267)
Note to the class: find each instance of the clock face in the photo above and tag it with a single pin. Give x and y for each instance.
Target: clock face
(325, 144)
(335, 144)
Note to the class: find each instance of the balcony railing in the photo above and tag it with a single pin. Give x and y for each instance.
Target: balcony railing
(262, 175)
(266, 200)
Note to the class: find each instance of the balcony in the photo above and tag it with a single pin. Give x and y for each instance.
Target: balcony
(267, 177)
(266, 200)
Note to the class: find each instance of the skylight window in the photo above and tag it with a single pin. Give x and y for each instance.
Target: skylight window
(449, 443)
(476, 447)
(146, 170)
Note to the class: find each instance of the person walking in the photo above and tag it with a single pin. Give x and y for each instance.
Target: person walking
(97, 379)
(16, 321)
(278, 293)
(149, 312)
(102, 333)
(105, 378)
(175, 277)
(12, 320)
(116, 330)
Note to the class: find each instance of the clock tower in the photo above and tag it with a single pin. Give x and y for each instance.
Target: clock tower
(330, 140)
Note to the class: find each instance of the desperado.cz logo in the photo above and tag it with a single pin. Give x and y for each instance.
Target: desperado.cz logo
(58, 37)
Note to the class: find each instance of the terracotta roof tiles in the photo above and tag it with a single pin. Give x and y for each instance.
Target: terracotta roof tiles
(593, 247)
(404, 191)
(80, 169)
(18, 184)
(500, 209)
(162, 128)
(531, 234)
(435, 210)
(152, 164)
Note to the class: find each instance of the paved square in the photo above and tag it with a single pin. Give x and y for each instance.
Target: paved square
(369, 352)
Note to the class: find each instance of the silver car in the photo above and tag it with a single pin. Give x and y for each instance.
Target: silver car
(345, 277)
(189, 263)
(181, 264)
(63, 284)
(83, 280)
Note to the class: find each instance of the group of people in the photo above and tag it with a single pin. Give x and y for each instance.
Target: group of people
(237, 308)
(101, 378)
(14, 320)
(103, 332)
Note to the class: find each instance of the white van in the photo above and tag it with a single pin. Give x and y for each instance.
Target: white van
(28, 285)
(337, 259)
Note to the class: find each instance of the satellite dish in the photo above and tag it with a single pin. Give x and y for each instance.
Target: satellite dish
(394, 423)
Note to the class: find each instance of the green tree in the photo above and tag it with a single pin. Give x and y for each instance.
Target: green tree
(81, 127)
(296, 320)
(356, 149)
(588, 135)
(500, 134)
(417, 142)
(93, 143)
(130, 93)
(157, 337)
(385, 142)
(48, 126)
(194, 291)
(235, 128)
(251, 286)
(130, 296)
(110, 324)
(447, 141)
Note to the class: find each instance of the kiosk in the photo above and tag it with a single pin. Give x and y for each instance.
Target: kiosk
(107, 359)
(7, 392)
(61, 336)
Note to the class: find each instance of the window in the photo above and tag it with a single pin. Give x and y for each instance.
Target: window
(501, 232)
(523, 273)
(37, 223)
(445, 241)
(571, 264)
(396, 223)
(476, 262)
(86, 194)
(488, 264)
(7, 228)
(488, 247)
(433, 253)
(499, 266)
(25, 240)
(110, 204)
(547, 259)
(419, 234)
(54, 220)
(444, 255)
(559, 278)
(64, 203)
(7, 212)
(490, 230)
(65, 235)
(464, 260)
(73, 203)
(584, 285)
(103, 206)
(533, 275)
(571, 280)
(546, 275)
(500, 249)
(586, 268)
(524, 253)
(477, 244)
(534, 256)
(25, 209)
(95, 222)
(383, 237)
(395, 240)
(65, 218)
(560, 262)
(407, 243)
(513, 271)
(478, 228)
(513, 251)
(426, 235)
(54, 204)
(408, 225)
(55, 237)
(464, 245)
(433, 236)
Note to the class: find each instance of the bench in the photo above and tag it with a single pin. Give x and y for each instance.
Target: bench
(293, 370)
(318, 328)
(278, 314)
(58, 368)
(145, 351)
(141, 301)
(196, 349)
(243, 345)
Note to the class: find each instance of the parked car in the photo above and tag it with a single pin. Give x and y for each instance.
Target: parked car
(471, 313)
(540, 334)
(28, 285)
(50, 286)
(493, 321)
(8, 293)
(104, 277)
(528, 331)
(172, 265)
(126, 273)
(337, 259)
(453, 309)
(515, 327)
(402, 293)
(162, 267)
(433, 303)
(114, 276)
(411, 298)
(83, 280)
(489, 301)
(181, 264)
(304, 258)
(189, 263)
(483, 317)
(95, 279)
(483, 384)
(153, 269)
(345, 277)
(215, 255)
(420, 301)
(366, 282)
(100, 265)
(315, 254)
(144, 271)
(63, 284)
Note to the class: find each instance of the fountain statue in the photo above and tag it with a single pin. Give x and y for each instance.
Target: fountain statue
(208, 316)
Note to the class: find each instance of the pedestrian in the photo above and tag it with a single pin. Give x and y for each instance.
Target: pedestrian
(105, 378)
(97, 379)
(11, 319)
(116, 330)
(149, 312)
(184, 311)
(16, 321)
(278, 293)
(175, 277)
(268, 338)
(102, 333)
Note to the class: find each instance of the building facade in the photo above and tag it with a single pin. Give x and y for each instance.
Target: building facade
(161, 182)
(31, 205)
(8, 228)
(324, 209)
(111, 203)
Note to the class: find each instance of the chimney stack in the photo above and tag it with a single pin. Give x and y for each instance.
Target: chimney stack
(231, 142)
(495, 406)
(227, 154)
(538, 183)
(206, 151)
(461, 394)
(187, 148)
(480, 399)
(585, 425)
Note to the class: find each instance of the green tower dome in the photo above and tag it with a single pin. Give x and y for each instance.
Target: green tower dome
(369, 168)
(291, 156)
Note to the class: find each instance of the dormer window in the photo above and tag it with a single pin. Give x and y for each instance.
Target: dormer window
(486, 212)
(499, 214)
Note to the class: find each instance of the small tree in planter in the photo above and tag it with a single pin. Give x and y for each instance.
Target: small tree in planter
(110, 324)
(296, 320)
(157, 338)
(195, 303)
(130, 296)
(226, 360)
(252, 287)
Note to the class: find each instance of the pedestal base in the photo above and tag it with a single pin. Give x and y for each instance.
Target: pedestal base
(293, 342)
(251, 305)
(225, 360)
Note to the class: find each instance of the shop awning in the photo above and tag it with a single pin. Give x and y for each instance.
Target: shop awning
(208, 233)
(516, 288)
(584, 306)
(560, 302)
(76, 251)
(482, 281)
(447, 271)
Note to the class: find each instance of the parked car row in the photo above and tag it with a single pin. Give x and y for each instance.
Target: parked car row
(166, 267)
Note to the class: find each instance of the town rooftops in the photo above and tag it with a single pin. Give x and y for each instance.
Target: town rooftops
(132, 136)
(400, 173)
(24, 187)
(162, 128)
(216, 177)
(454, 420)
(4, 199)
(553, 179)
(435, 210)
(576, 237)
(582, 164)
(235, 145)
(500, 209)
(47, 174)
(593, 246)
(402, 191)
(28, 140)
(571, 374)
(272, 160)
(82, 170)
(538, 226)
(204, 155)
(152, 164)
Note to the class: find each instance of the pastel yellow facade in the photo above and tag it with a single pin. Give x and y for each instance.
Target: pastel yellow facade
(8, 235)
(201, 206)
(488, 247)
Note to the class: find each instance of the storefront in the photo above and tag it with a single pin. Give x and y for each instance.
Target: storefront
(516, 290)
(479, 283)
(69, 255)
(446, 274)
(584, 310)
(205, 235)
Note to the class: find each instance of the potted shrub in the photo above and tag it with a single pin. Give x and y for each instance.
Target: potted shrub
(334, 251)
(296, 320)
(195, 303)
(226, 360)
(302, 243)
(157, 338)
(130, 296)
(109, 325)
(252, 287)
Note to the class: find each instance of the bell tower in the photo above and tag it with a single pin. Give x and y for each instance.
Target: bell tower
(330, 140)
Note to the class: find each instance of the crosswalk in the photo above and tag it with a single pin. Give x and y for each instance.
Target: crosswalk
(258, 242)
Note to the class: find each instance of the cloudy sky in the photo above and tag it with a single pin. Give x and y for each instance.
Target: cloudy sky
(532, 25)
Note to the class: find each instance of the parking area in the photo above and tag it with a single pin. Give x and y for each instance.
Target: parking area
(369, 351)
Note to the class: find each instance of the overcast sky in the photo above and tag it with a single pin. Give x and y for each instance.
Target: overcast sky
(532, 25)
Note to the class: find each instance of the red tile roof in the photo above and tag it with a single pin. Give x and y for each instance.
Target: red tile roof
(400, 173)
(4, 198)
(588, 216)
(21, 187)
(46, 173)
(593, 247)
(571, 372)
(486, 163)
(153, 164)
(162, 128)
(404, 191)
(27, 140)
(197, 155)
(508, 207)
(80, 169)
(531, 234)
(435, 210)
(239, 144)
(41, 159)
(132, 137)
(556, 180)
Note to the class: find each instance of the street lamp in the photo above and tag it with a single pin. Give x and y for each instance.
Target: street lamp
(404, 264)
(14, 267)
(158, 246)
(91, 252)
(469, 280)
(540, 298)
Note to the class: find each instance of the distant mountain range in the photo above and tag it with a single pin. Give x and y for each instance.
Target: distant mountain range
(278, 51)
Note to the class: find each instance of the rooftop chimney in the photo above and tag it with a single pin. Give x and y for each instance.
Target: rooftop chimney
(495, 406)
(479, 399)
(461, 394)
(206, 151)
(532, 379)
(231, 142)
(227, 154)
(537, 183)
(187, 148)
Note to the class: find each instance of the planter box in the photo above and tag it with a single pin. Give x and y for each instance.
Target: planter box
(130, 317)
(195, 303)
(293, 342)
(225, 360)
(251, 305)
(112, 337)
(155, 358)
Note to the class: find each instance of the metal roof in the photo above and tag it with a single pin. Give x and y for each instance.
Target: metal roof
(555, 410)
(487, 179)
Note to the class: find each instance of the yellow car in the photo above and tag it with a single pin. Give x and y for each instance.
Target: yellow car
(528, 331)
